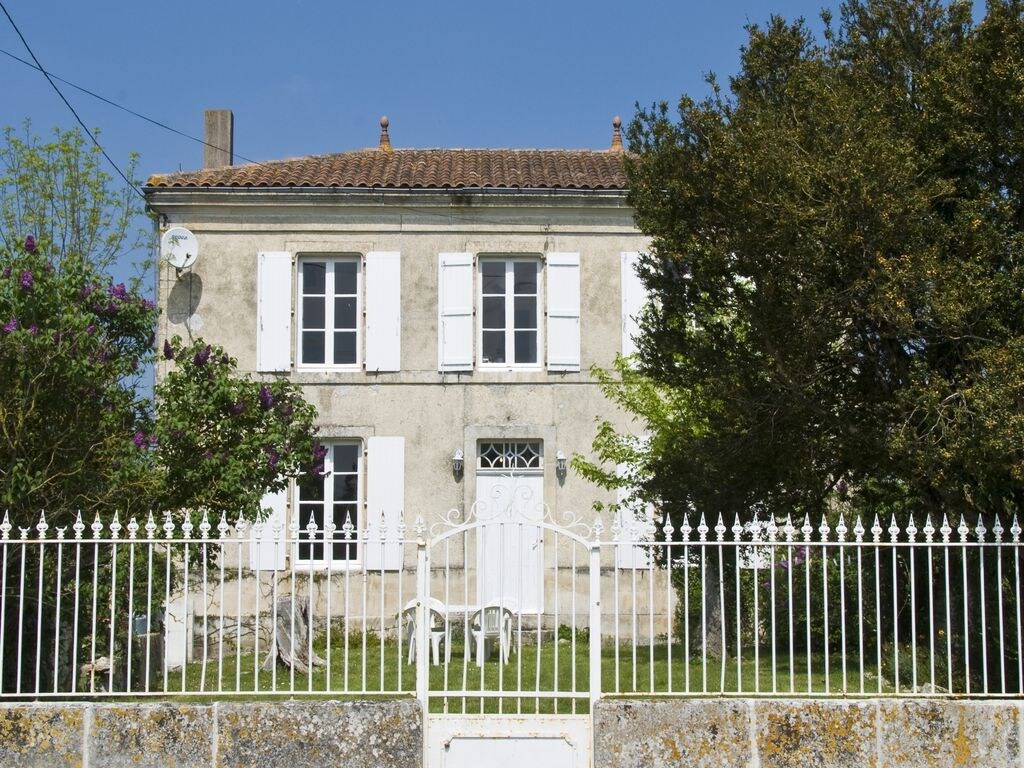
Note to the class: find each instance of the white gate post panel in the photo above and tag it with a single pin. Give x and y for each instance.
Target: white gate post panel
(595, 624)
(422, 625)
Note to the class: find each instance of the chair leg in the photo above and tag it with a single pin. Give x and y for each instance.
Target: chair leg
(435, 649)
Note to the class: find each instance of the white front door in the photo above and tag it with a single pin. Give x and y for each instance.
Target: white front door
(510, 503)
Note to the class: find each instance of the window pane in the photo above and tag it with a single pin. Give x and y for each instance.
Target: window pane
(309, 512)
(492, 277)
(526, 346)
(494, 346)
(526, 312)
(346, 276)
(311, 487)
(312, 346)
(346, 457)
(313, 276)
(343, 550)
(346, 488)
(345, 312)
(525, 276)
(344, 348)
(313, 312)
(494, 312)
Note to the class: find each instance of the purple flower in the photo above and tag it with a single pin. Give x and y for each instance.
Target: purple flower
(33, 329)
(139, 440)
(30, 244)
(266, 398)
(48, 267)
(111, 308)
(118, 291)
(319, 453)
(86, 290)
(202, 356)
(238, 408)
(27, 280)
(272, 456)
(147, 304)
(7, 271)
(11, 325)
(152, 441)
(90, 329)
(168, 350)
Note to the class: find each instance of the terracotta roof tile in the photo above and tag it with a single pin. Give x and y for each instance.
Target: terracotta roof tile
(420, 169)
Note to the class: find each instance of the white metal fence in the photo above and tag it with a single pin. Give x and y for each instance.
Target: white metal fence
(512, 615)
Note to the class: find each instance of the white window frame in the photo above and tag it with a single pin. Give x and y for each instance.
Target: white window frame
(359, 524)
(330, 260)
(510, 260)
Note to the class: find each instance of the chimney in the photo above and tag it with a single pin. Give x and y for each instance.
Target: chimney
(219, 135)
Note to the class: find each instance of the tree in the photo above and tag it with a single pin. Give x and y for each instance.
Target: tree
(836, 273)
(836, 267)
(79, 436)
(72, 343)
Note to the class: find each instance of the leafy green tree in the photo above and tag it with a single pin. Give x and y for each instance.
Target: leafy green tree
(79, 437)
(73, 344)
(222, 441)
(837, 272)
(836, 266)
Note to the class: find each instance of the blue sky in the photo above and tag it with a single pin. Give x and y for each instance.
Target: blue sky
(309, 77)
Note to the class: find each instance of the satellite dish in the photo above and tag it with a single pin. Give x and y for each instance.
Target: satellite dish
(179, 248)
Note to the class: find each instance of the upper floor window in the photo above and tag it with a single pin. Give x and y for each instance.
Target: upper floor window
(510, 312)
(330, 311)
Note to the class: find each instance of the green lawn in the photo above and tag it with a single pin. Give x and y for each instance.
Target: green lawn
(380, 670)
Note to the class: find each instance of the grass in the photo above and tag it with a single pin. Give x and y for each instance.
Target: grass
(625, 670)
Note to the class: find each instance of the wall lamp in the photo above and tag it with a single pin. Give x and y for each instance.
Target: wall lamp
(560, 464)
(458, 462)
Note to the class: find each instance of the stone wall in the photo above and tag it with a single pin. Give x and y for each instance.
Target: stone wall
(780, 733)
(882, 733)
(284, 734)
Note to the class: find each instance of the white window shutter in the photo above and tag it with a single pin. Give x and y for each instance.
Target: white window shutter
(274, 311)
(632, 519)
(383, 311)
(267, 550)
(385, 500)
(634, 296)
(455, 312)
(563, 283)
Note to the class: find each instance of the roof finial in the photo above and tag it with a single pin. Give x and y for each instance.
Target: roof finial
(616, 134)
(385, 140)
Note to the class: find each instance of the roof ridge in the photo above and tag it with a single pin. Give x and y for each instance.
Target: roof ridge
(418, 168)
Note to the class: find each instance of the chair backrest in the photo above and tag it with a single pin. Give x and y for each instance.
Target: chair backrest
(491, 618)
(436, 619)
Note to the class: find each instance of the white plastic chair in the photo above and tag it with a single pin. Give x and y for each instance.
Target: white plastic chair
(438, 629)
(490, 626)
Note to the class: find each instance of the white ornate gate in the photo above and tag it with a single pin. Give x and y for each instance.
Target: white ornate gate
(517, 660)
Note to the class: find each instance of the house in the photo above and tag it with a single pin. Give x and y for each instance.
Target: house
(441, 308)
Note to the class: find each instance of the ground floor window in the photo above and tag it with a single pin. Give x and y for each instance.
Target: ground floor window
(334, 498)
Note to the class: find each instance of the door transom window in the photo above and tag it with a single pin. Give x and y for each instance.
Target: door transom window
(510, 455)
